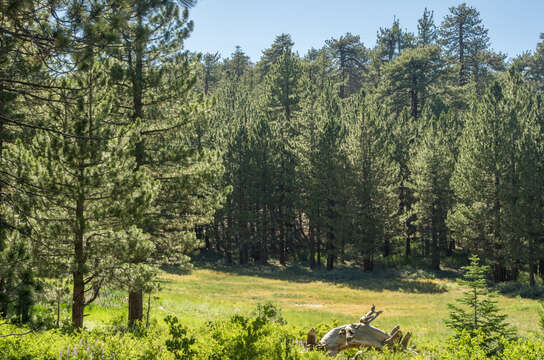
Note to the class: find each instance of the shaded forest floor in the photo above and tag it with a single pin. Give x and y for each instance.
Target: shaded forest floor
(417, 301)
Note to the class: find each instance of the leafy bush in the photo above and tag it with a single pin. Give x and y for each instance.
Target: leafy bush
(179, 343)
(473, 346)
(54, 345)
(262, 336)
(523, 290)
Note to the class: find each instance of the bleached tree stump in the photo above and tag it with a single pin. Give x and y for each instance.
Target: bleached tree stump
(363, 334)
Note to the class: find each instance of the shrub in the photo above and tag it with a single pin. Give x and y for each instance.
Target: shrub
(180, 344)
(261, 336)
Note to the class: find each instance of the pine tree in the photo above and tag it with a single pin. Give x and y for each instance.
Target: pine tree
(410, 79)
(31, 38)
(536, 65)
(349, 55)
(210, 69)
(426, 29)
(282, 99)
(430, 166)
(463, 37)
(376, 177)
(486, 181)
(392, 41)
(528, 209)
(479, 311)
(86, 197)
(328, 165)
(316, 80)
(18, 283)
(238, 64)
(154, 77)
(282, 44)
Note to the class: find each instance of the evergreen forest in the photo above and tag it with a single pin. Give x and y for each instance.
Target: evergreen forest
(124, 156)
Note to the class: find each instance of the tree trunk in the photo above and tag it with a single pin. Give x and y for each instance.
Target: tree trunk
(208, 246)
(244, 254)
(532, 270)
(263, 248)
(135, 306)
(330, 261)
(435, 255)
(541, 269)
(368, 264)
(78, 300)
(312, 247)
(426, 245)
(408, 247)
(386, 248)
(331, 255)
(318, 246)
(78, 295)
(462, 79)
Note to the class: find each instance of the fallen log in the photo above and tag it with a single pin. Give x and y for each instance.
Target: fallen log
(362, 334)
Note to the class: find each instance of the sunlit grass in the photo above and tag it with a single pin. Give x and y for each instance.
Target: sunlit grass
(416, 304)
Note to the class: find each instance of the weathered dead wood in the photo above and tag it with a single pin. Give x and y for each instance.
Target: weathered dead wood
(362, 334)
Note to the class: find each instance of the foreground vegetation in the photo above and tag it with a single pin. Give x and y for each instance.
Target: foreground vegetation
(220, 304)
(121, 154)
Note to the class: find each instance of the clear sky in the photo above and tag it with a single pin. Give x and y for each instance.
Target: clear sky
(514, 25)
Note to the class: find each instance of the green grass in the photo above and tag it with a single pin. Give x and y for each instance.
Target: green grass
(418, 304)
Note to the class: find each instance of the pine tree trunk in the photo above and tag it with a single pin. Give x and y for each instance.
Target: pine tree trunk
(368, 264)
(135, 298)
(330, 261)
(408, 247)
(386, 247)
(318, 240)
(78, 300)
(451, 246)
(135, 306)
(461, 56)
(78, 295)
(208, 246)
(312, 247)
(330, 250)
(532, 270)
(263, 248)
(244, 254)
(343, 251)
(435, 255)
(426, 245)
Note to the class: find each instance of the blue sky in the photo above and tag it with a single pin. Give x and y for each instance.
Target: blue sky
(514, 25)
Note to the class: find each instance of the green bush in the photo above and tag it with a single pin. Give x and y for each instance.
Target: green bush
(260, 335)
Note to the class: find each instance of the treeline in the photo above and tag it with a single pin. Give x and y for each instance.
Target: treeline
(421, 146)
(102, 177)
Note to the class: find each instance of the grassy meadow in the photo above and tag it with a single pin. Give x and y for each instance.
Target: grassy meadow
(416, 301)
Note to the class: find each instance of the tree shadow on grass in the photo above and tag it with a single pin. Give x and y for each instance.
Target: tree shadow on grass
(352, 277)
